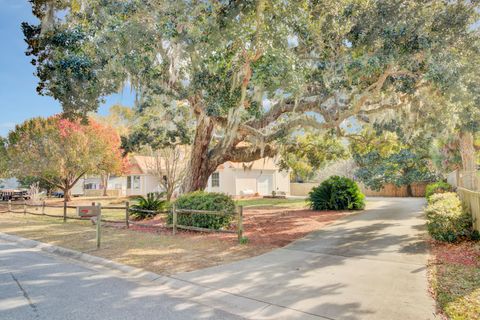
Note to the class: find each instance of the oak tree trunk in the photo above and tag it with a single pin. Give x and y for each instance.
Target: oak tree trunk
(201, 166)
(469, 164)
(409, 190)
(105, 179)
(67, 194)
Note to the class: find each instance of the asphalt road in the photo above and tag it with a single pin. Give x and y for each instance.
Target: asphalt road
(36, 285)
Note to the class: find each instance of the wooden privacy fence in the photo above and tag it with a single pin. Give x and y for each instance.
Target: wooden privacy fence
(471, 200)
(389, 190)
(238, 214)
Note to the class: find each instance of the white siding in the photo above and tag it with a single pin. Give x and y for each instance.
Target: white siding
(282, 181)
(151, 184)
(227, 182)
(265, 184)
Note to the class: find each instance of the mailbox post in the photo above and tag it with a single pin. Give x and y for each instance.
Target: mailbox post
(99, 225)
(90, 212)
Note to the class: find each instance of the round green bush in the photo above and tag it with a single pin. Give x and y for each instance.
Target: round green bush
(446, 218)
(437, 187)
(200, 200)
(337, 193)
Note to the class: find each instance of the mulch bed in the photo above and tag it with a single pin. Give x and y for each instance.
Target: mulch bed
(465, 253)
(266, 227)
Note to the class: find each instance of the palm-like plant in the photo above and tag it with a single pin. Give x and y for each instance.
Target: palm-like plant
(149, 206)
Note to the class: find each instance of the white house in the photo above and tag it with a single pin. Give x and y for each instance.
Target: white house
(260, 177)
(138, 181)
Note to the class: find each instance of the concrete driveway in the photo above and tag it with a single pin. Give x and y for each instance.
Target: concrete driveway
(370, 265)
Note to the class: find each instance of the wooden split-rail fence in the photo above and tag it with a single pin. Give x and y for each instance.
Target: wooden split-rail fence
(12, 207)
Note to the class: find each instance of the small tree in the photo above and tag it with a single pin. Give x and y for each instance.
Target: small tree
(169, 166)
(3, 158)
(111, 161)
(383, 158)
(306, 154)
(57, 150)
(28, 181)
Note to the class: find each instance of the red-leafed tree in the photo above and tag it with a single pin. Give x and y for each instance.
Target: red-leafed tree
(62, 151)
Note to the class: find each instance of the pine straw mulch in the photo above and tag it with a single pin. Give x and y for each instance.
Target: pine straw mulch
(454, 273)
(264, 227)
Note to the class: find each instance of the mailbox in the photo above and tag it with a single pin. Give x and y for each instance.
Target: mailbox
(88, 211)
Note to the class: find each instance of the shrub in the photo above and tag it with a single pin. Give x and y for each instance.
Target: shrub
(446, 218)
(152, 202)
(337, 193)
(437, 187)
(200, 200)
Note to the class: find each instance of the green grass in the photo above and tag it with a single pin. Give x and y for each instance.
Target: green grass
(458, 291)
(456, 284)
(288, 203)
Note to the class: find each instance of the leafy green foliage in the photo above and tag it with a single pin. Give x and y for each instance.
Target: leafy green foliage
(3, 158)
(337, 193)
(61, 151)
(306, 154)
(27, 181)
(149, 206)
(317, 64)
(437, 187)
(206, 201)
(383, 158)
(446, 218)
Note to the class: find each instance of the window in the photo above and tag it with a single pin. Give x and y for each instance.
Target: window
(90, 186)
(215, 179)
(133, 182)
(136, 182)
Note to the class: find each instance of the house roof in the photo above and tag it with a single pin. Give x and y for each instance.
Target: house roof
(141, 164)
(145, 164)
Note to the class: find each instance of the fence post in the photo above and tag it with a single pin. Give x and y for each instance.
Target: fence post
(476, 214)
(99, 224)
(240, 223)
(127, 214)
(64, 209)
(9, 205)
(174, 219)
(43, 207)
(24, 207)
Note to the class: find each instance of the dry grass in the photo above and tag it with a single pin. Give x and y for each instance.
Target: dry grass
(455, 279)
(156, 249)
(163, 254)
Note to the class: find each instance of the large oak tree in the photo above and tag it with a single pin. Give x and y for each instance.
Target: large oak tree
(251, 72)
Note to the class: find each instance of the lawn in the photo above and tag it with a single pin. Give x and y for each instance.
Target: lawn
(455, 279)
(156, 249)
(268, 202)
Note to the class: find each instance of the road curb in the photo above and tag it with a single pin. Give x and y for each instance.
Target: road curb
(130, 272)
(232, 303)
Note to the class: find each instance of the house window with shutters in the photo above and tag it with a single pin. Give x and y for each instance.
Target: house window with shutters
(215, 179)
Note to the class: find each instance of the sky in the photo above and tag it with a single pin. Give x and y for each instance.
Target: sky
(18, 98)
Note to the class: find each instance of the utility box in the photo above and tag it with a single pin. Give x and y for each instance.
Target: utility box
(88, 211)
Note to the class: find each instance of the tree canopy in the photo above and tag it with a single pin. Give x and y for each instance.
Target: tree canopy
(306, 154)
(383, 158)
(250, 72)
(62, 151)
